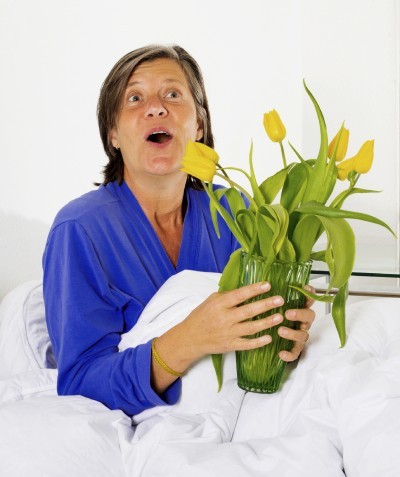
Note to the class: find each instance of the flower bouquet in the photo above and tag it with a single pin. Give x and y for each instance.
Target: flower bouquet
(277, 223)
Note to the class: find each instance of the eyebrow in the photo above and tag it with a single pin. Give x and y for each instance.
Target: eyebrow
(167, 80)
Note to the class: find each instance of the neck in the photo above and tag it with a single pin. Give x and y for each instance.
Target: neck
(160, 199)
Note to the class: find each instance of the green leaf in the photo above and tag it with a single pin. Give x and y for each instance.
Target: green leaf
(339, 200)
(322, 298)
(296, 152)
(230, 278)
(329, 182)
(214, 217)
(280, 218)
(217, 363)
(233, 227)
(316, 183)
(314, 208)
(272, 185)
(304, 236)
(341, 246)
(287, 251)
(294, 187)
(340, 253)
(235, 200)
(339, 312)
(318, 256)
(258, 197)
(247, 223)
(265, 235)
(214, 196)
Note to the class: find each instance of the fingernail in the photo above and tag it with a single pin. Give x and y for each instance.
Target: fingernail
(266, 339)
(265, 286)
(277, 319)
(278, 300)
(290, 314)
(283, 332)
(283, 355)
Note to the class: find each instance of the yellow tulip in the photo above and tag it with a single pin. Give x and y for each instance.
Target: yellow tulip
(342, 146)
(361, 162)
(274, 127)
(200, 161)
(345, 167)
(364, 157)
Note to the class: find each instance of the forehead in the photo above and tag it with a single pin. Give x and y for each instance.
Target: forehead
(160, 69)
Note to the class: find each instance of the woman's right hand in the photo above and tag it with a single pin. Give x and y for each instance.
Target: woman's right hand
(218, 325)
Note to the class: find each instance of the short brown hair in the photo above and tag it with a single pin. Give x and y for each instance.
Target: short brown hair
(114, 86)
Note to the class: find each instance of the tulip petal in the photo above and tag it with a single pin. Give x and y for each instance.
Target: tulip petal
(199, 161)
(364, 157)
(274, 127)
(339, 143)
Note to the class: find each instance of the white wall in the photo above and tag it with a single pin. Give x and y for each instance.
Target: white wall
(54, 56)
(351, 57)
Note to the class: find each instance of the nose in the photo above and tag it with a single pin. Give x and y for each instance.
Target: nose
(155, 108)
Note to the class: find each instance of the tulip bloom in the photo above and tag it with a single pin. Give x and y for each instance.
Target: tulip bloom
(361, 162)
(342, 146)
(274, 127)
(200, 161)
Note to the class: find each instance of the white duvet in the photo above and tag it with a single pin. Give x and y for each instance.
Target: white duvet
(338, 409)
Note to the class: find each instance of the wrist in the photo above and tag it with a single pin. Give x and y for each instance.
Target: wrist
(177, 348)
(159, 360)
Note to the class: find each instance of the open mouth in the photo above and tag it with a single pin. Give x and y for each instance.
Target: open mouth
(159, 137)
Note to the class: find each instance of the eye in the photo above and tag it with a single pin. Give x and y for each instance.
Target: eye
(173, 95)
(134, 98)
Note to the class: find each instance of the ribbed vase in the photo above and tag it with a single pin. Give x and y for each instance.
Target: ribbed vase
(261, 370)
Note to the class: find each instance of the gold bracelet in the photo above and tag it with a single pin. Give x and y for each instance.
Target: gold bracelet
(160, 361)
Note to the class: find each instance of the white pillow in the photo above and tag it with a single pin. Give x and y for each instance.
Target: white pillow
(24, 339)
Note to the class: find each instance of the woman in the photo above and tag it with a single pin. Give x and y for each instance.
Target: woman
(109, 251)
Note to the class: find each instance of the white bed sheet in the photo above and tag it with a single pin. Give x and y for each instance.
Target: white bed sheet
(338, 407)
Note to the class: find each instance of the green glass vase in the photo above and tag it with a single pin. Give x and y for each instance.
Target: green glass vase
(261, 370)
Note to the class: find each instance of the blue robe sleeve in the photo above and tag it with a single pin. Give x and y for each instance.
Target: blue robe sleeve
(85, 319)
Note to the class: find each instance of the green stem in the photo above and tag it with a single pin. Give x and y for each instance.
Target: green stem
(233, 227)
(222, 169)
(283, 154)
(237, 186)
(259, 199)
(236, 169)
(356, 179)
(341, 197)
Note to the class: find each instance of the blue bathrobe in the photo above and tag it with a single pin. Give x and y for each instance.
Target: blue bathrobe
(102, 264)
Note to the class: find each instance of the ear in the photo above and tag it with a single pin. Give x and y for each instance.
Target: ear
(199, 133)
(114, 138)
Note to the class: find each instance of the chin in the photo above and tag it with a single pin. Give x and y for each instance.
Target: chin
(162, 167)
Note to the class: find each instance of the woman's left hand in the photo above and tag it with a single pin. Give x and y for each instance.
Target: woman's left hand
(306, 317)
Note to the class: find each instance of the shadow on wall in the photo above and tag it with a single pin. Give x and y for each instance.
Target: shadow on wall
(22, 242)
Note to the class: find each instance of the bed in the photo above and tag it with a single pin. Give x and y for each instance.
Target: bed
(337, 413)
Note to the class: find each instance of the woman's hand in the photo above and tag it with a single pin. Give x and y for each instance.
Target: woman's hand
(220, 324)
(306, 317)
(217, 325)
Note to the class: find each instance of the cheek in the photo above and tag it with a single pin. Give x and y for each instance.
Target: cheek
(192, 130)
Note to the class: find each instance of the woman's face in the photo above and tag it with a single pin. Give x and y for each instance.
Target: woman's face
(156, 121)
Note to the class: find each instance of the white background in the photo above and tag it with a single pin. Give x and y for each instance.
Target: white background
(55, 54)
